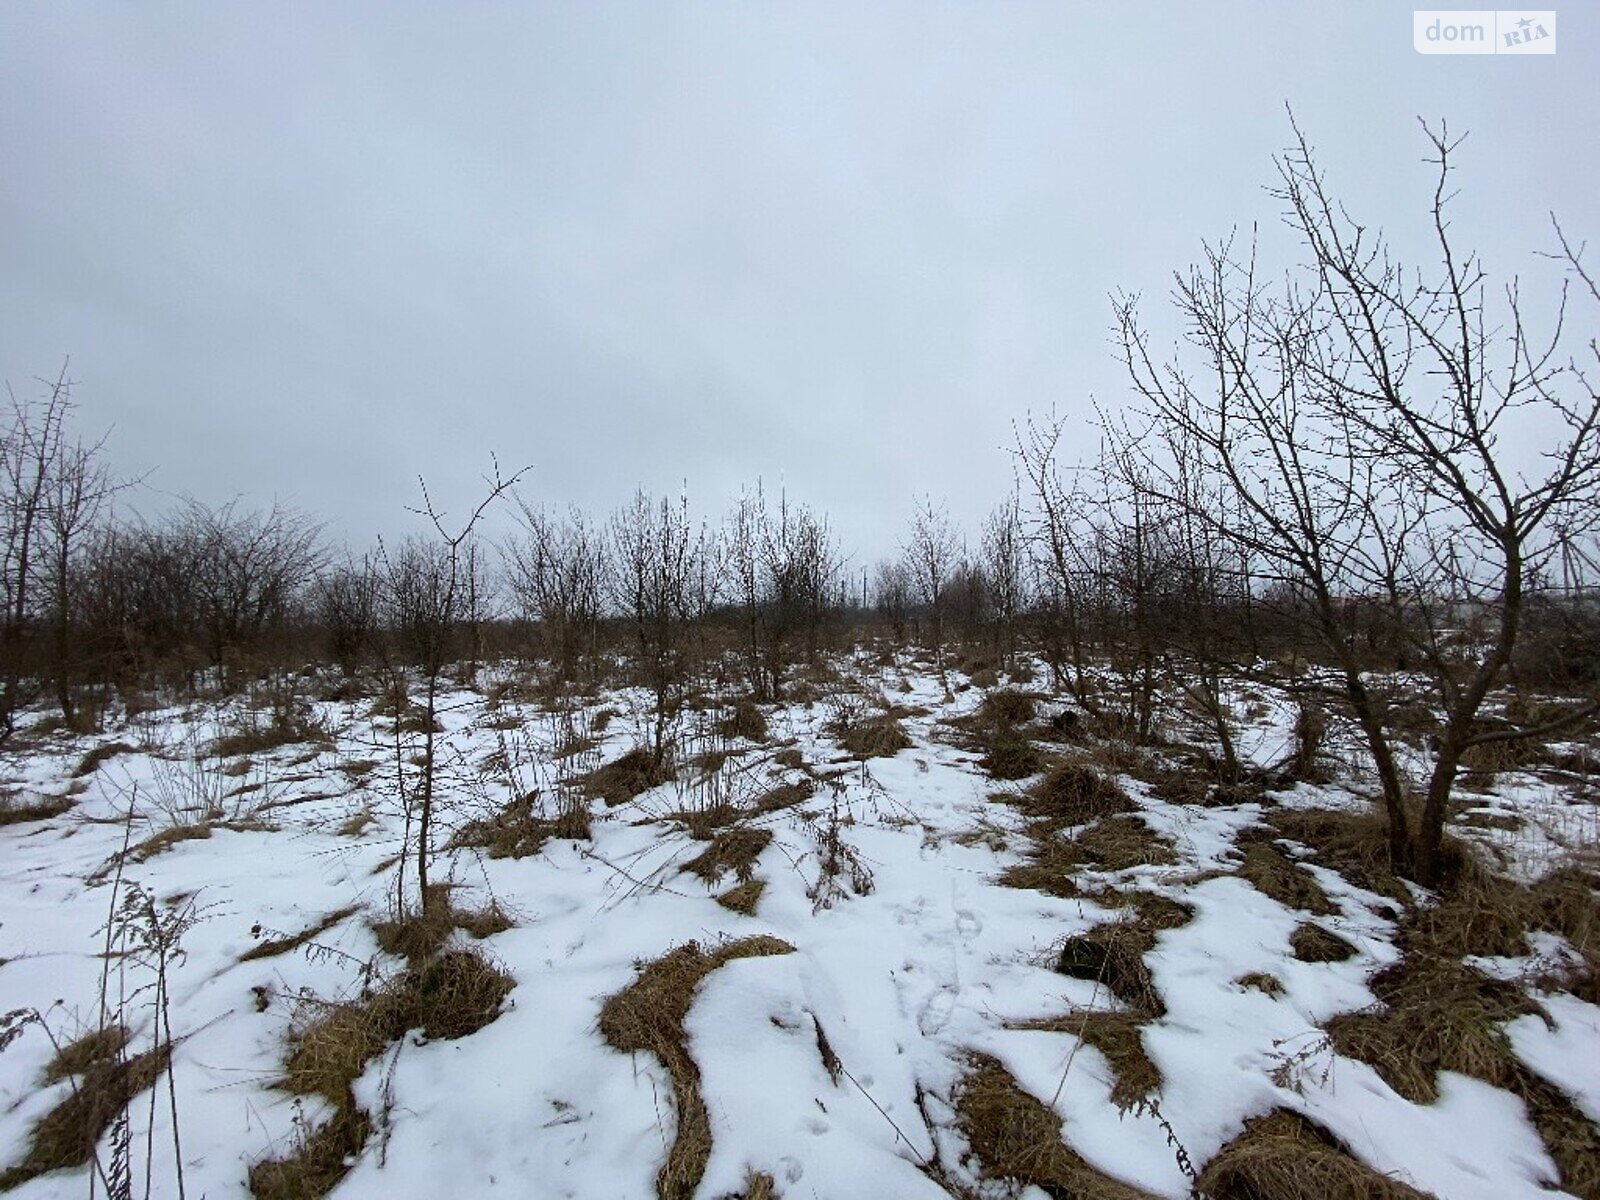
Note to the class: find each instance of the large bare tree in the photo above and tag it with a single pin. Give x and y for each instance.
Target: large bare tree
(1355, 414)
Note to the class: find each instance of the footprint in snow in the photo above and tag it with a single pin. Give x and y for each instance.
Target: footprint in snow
(968, 924)
(935, 1014)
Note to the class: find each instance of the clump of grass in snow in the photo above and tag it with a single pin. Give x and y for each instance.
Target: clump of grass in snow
(419, 935)
(745, 721)
(1118, 843)
(1119, 1038)
(1262, 981)
(1437, 1013)
(274, 946)
(1073, 794)
(1112, 955)
(516, 831)
(621, 780)
(1273, 873)
(67, 1135)
(1356, 844)
(735, 851)
(1312, 943)
(1015, 1136)
(1012, 755)
(743, 897)
(648, 1015)
(1283, 1156)
(450, 997)
(42, 808)
(877, 736)
(80, 1055)
(97, 757)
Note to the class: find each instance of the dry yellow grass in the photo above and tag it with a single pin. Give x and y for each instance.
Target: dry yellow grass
(452, 996)
(283, 945)
(66, 1136)
(1282, 1156)
(743, 898)
(1273, 873)
(734, 852)
(1015, 1136)
(648, 1016)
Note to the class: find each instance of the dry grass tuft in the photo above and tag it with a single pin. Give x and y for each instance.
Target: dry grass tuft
(418, 936)
(1073, 794)
(453, 997)
(1121, 842)
(1262, 981)
(1012, 755)
(1314, 944)
(621, 780)
(356, 823)
(784, 796)
(1273, 873)
(1440, 1014)
(735, 851)
(166, 839)
(41, 809)
(1049, 868)
(422, 933)
(702, 824)
(877, 736)
(517, 832)
(1007, 706)
(484, 922)
(94, 759)
(450, 997)
(318, 1162)
(1015, 1136)
(82, 1054)
(744, 897)
(1153, 912)
(1282, 1156)
(648, 1016)
(1356, 844)
(746, 721)
(273, 947)
(1112, 955)
(1119, 1038)
(66, 1136)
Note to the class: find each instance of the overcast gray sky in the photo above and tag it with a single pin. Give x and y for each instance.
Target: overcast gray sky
(307, 251)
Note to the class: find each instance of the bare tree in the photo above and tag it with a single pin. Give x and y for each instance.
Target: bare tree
(1062, 556)
(664, 582)
(30, 449)
(892, 592)
(932, 549)
(346, 605)
(1353, 413)
(1005, 567)
(430, 594)
(79, 492)
(248, 571)
(785, 571)
(558, 573)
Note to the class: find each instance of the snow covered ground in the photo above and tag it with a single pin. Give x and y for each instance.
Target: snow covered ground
(834, 1069)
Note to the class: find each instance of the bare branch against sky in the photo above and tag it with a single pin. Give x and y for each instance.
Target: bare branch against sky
(307, 251)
